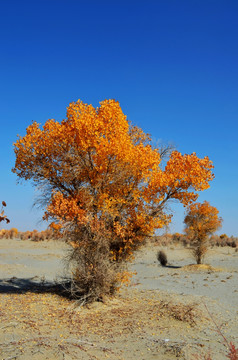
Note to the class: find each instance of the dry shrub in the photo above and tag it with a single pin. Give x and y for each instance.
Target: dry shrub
(162, 258)
(181, 312)
(199, 250)
(94, 274)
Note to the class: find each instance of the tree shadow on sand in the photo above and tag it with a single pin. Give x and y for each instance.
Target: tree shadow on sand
(36, 285)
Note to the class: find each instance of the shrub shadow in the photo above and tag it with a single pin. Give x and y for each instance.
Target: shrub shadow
(171, 266)
(36, 285)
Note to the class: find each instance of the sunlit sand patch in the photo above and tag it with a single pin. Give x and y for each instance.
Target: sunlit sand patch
(199, 267)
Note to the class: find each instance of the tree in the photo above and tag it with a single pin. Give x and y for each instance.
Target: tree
(201, 221)
(3, 217)
(102, 182)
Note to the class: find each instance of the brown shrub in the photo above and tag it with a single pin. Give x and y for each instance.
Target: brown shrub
(94, 274)
(162, 258)
(181, 312)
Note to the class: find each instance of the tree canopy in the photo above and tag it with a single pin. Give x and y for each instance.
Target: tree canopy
(96, 170)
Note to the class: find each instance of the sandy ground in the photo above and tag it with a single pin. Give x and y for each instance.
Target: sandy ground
(165, 313)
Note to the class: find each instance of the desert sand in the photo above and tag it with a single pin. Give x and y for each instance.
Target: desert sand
(172, 312)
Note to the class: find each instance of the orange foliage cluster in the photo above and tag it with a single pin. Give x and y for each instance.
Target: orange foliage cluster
(202, 220)
(101, 173)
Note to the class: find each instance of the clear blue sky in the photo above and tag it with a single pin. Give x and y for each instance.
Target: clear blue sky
(172, 65)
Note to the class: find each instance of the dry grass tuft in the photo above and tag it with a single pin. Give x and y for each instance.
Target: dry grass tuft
(182, 312)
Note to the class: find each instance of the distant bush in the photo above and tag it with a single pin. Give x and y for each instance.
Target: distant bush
(13, 233)
(162, 258)
(34, 235)
(162, 240)
(169, 239)
(233, 244)
(223, 240)
(223, 236)
(177, 238)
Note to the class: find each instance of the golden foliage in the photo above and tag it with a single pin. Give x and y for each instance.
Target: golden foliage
(101, 172)
(202, 219)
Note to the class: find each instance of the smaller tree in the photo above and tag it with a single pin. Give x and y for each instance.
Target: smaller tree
(201, 221)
